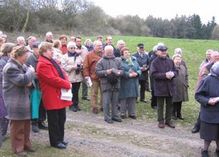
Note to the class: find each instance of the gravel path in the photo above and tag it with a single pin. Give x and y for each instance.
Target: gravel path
(91, 136)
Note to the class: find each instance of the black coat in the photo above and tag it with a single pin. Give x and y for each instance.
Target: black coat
(161, 85)
(142, 61)
(208, 88)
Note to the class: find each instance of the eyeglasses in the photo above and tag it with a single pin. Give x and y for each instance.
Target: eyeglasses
(72, 47)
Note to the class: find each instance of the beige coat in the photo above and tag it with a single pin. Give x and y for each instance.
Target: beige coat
(69, 64)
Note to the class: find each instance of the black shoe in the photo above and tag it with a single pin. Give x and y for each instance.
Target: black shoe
(180, 117)
(195, 129)
(154, 107)
(35, 128)
(132, 117)
(42, 126)
(143, 101)
(110, 121)
(74, 108)
(65, 143)
(117, 119)
(204, 153)
(60, 146)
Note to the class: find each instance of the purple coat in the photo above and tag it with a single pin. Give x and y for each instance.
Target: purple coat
(3, 111)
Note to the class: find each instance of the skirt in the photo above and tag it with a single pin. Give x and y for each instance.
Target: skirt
(209, 131)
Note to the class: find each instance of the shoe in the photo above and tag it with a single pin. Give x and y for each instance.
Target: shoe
(42, 126)
(123, 116)
(180, 117)
(35, 128)
(65, 143)
(110, 121)
(161, 125)
(74, 108)
(30, 150)
(132, 117)
(174, 117)
(170, 124)
(85, 98)
(95, 110)
(195, 129)
(117, 119)
(143, 101)
(21, 154)
(60, 146)
(154, 107)
(204, 153)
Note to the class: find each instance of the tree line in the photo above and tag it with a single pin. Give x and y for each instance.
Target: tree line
(83, 17)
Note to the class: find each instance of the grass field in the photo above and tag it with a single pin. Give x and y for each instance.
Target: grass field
(193, 54)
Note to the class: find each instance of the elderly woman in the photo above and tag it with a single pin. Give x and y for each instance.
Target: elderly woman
(52, 81)
(129, 92)
(17, 78)
(207, 95)
(4, 57)
(89, 45)
(181, 83)
(63, 38)
(72, 63)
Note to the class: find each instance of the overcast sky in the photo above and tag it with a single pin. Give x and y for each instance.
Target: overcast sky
(161, 8)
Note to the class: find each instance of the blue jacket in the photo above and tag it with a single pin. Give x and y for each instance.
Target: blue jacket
(208, 88)
(129, 86)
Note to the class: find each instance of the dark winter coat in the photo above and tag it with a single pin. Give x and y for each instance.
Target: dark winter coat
(143, 61)
(161, 85)
(208, 88)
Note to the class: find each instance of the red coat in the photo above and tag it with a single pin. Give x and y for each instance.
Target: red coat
(51, 84)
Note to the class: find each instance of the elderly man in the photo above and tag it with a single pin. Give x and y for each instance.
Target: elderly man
(89, 73)
(143, 61)
(120, 44)
(30, 41)
(109, 69)
(163, 71)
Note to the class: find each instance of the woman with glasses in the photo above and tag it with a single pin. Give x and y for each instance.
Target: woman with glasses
(72, 63)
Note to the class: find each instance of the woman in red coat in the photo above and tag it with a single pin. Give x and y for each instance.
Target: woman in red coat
(52, 79)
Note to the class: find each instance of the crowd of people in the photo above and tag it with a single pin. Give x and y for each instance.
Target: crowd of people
(39, 80)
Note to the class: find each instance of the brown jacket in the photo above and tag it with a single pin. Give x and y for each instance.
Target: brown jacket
(89, 68)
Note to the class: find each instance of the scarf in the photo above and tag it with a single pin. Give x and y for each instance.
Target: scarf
(57, 67)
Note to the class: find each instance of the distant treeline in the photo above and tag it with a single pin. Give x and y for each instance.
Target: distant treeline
(83, 17)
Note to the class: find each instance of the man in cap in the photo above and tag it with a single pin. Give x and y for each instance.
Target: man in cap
(163, 71)
(143, 61)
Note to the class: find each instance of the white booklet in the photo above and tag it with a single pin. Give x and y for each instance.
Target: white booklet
(66, 94)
